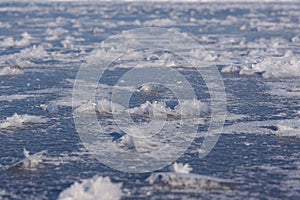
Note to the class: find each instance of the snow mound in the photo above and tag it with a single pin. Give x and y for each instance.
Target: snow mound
(267, 66)
(96, 188)
(19, 121)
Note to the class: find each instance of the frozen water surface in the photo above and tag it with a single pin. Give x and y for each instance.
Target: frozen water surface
(255, 47)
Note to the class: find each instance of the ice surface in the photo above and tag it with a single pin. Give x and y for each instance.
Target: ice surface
(188, 181)
(257, 40)
(13, 97)
(95, 188)
(286, 127)
(18, 121)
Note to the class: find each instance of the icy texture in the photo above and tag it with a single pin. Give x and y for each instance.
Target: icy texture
(26, 58)
(31, 162)
(188, 108)
(188, 181)
(10, 42)
(155, 109)
(19, 121)
(182, 168)
(10, 71)
(105, 106)
(95, 188)
(286, 127)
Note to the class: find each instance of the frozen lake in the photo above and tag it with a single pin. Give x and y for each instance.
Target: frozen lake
(254, 47)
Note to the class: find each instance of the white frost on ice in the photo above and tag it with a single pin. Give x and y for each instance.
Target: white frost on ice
(192, 108)
(96, 188)
(10, 42)
(13, 97)
(18, 121)
(285, 127)
(105, 106)
(54, 34)
(86, 108)
(155, 109)
(31, 162)
(51, 107)
(26, 58)
(181, 168)
(10, 71)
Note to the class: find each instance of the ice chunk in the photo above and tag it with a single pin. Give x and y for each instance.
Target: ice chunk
(93, 189)
(192, 108)
(52, 108)
(181, 168)
(155, 109)
(126, 141)
(31, 162)
(18, 121)
(10, 71)
(86, 108)
(105, 106)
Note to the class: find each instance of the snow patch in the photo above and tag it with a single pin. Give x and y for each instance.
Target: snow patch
(18, 121)
(10, 42)
(93, 189)
(181, 168)
(10, 71)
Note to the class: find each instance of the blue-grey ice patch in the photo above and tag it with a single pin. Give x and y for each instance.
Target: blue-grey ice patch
(51, 107)
(189, 181)
(285, 127)
(85, 108)
(181, 178)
